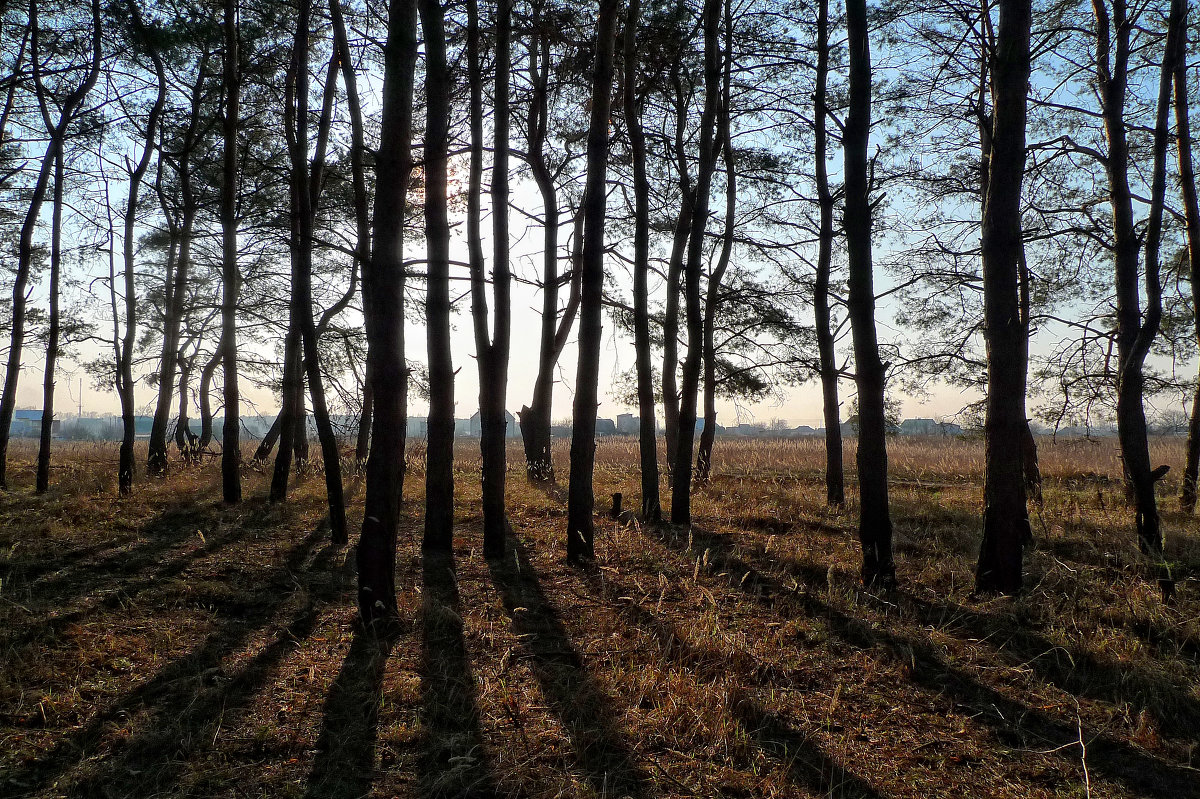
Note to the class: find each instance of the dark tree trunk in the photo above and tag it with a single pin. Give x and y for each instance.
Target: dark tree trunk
(25, 249)
(1005, 513)
(439, 471)
(835, 491)
(679, 244)
(177, 289)
(491, 347)
(712, 302)
(681, 476)
(362, 217)
(555, 326)
(1135, 332)
(874, 523)
(647, 435)
(231, 479)
(269, 439)
(43, 461)
(1191, 213)
(580, 497)
(185, 439)
(291, 399)
(125, 385)
(206, 413)
(383, 300)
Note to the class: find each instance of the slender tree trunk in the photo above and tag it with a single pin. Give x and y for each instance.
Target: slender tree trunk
(206, 414)
(1191, 213)
(47, 431)
(874, 524)
(1135, 332)
(491, 347)
(383, 300)
(681, 476)
(25, 250)
(231, 479)
(185, 439)
(580, 496)
(647, 435)
(679, 244)
(362, 217)
(125, 385)
(439, 471)
(712, 302)
(835, 491)
(1005, 513)
(156, 458)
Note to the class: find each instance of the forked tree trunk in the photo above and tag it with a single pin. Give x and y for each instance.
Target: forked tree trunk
(439, 471)
(681, 476)
(647, 436)
(874, 523)
(580, 497)
(206, 412)
(231, 479)
(383, 300)
(1005, 513)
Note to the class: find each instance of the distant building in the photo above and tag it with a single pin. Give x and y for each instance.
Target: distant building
(627, 424)
(606, 427)
(512, 427)
(417, 427)
(928, 427)
(28, 423)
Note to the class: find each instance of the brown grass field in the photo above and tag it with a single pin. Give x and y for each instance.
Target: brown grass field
(167, 645)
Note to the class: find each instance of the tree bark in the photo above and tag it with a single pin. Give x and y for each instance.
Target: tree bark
(1191, 214)
(679, 244)
(580, 497)
(42, 482)
(491, 347)
(383, 301)
(835, 491)
(647, 435)
(874, 524)
(681, 476)
(1005, 513)
(439, 472)
(231, 480)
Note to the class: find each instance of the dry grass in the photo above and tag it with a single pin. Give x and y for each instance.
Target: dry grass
(166, 645)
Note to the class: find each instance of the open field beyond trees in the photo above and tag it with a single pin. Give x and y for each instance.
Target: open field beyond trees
(168, 645)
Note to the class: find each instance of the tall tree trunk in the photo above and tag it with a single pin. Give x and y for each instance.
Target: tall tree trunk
(439, 472)
(1191, 213)
(835, 491)
(173, 311)
(580, 497)
(383, 301)
(125, 385)
(535, 417)
(681, 476)
(1135, 332)
(1005, 513)
(491, 347)
(185, 439)
(874, 524)
(25, 250)
(362, 216)
(647, 435)
(679, 244)
(231, 479)
(43, 461)
(712, 301)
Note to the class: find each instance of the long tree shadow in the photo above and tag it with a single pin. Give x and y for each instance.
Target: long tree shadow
(114, 582)
(806, 762)
(181, 708)
(344, 767)
(454, 761)
(585, 709)
(1012, 722)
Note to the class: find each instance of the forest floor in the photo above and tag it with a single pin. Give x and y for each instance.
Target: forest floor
(167, 645)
